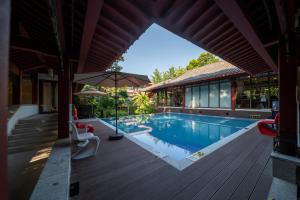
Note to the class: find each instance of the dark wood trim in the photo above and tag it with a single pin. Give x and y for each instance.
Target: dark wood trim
(4, 68)
(287, 99)
(91, 19)
(64, 95)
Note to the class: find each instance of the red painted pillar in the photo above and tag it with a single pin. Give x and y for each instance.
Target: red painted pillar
(35, 88)
(64, 91)
(233, 94)
(287, 99)
(4, 60)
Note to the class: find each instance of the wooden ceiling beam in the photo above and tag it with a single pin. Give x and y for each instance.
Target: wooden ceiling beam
(34, 67)
(217, 33)
(232, 10)
(90, 23)
(202, 18)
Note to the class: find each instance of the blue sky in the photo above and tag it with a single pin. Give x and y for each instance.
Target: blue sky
(158, 48)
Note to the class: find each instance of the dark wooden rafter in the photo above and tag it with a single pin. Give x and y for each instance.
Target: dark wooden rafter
(109, 41)
(34, 67)
(111, 34)
(132, 27)
(207, 14)
(236, 42)
(132, 12)
(188, 15)
(29, 45)
(217, 33)
(219, 36)
(232, 10)
(103, 51)
(225, 38)
(92, 15)
(209, 26)
(112, 27)
(243, 49)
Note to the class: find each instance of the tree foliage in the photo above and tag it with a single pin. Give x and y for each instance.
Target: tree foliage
(143, 103)
(156, 77)
(116, 67)
(173, 72)
(206, 58)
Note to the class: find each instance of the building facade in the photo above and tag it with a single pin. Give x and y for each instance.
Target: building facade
(217, 86)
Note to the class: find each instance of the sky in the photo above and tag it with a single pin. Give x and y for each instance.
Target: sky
(158, 48)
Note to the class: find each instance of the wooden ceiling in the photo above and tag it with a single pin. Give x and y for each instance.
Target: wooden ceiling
(97, 32)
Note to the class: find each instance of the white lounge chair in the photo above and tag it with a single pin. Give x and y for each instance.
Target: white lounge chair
(88, 143)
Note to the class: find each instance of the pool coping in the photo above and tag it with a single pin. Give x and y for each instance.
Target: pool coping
(191, 159)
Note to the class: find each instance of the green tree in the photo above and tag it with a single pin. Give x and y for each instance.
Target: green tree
(165, 76)
(116, 66)
(206, 58)
(143, 103)
(192, 64)
(172, 72)
(180, 70)
(156, 77)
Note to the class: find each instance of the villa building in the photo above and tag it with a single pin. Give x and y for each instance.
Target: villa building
(217, 86)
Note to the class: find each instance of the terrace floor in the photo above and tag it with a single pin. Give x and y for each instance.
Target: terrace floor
(123, 170)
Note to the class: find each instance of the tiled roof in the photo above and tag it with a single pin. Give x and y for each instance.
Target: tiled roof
(219, 69)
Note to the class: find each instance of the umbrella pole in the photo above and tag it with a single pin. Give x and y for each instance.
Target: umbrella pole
(116, 136)
(116, 104)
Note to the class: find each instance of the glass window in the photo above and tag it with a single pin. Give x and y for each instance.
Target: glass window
(204, 95)
(225, 94)
(195, 99)
(188, 97)
(214, 94)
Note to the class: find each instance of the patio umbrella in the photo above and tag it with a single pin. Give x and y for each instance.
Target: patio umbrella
(95, 93)
(91, 92)
(112, 79)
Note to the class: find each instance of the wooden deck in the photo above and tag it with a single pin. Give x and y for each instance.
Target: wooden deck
(123, 170)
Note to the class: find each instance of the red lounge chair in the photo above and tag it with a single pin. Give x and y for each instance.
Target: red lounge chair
(269, 127)
(89, 127)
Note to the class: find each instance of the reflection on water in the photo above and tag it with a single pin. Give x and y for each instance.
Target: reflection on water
(179, 135)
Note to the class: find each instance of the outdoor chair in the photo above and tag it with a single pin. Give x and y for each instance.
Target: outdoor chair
(87, 128)
(87, 143)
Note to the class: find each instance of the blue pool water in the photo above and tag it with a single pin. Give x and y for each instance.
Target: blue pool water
(179, 135)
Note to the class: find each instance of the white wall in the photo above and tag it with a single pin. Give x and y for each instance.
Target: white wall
(22, 112)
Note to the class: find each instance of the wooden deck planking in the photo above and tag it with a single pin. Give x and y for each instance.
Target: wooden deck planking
(123, 170)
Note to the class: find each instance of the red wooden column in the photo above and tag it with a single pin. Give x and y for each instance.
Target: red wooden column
(287, 99)
(35, 88)
(233, 94)
(4, 60)
(64, 95)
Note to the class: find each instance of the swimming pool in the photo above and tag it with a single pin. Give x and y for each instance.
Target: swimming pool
(180, 139)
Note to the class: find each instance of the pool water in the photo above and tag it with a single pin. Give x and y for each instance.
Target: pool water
(179, 135)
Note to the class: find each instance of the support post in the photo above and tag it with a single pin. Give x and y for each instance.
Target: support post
(64, 95)
(287, 99)
(183, 100)
(35, 88)
(166, 97)
(4, 60)
(233, 94)
(20, 81)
